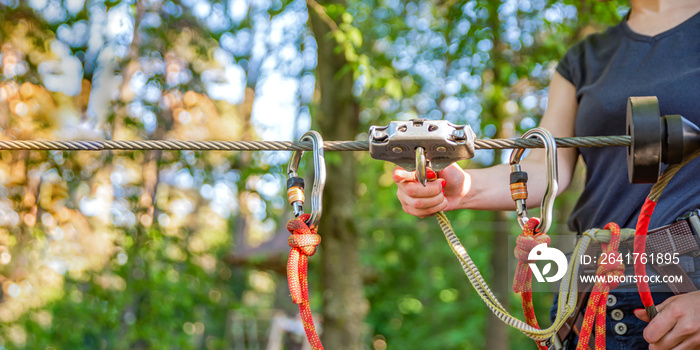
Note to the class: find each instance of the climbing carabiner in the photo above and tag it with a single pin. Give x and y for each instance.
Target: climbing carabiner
(295, 184)
(518, 180)
(421, 166)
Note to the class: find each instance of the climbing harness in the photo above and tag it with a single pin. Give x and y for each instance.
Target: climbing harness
(304, 238)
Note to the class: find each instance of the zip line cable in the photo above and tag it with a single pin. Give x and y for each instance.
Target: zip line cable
(178, 145)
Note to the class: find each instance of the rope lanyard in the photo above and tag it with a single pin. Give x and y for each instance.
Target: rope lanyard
(568, 288)
(610, 268)
(303, 242)
(304, 238)
(522, 281)
(640, 237)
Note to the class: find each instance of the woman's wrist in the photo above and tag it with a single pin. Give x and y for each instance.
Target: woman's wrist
(486, 189)
(466, 194)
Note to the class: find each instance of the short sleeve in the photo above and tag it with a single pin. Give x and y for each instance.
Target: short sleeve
(571, 65)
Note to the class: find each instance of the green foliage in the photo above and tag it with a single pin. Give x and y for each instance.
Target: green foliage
(153, 302)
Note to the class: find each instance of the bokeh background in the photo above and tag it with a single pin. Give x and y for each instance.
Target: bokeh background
(187, 250)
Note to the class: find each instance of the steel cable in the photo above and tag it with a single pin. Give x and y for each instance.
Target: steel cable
(178, 145)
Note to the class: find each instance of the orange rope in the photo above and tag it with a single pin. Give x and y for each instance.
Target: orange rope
(612, 269)
(303, 242)
(522, 282)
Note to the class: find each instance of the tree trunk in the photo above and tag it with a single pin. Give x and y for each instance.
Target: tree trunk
(344, 305)
(496, 330)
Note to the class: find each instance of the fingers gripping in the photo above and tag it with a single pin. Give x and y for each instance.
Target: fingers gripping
(416, 199)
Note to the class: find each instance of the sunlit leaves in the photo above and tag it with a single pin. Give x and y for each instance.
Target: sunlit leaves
(128, 245)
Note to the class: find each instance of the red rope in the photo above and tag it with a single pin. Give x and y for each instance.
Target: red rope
(612, 269)
(303, 242)
(522, 282)
(640, 243)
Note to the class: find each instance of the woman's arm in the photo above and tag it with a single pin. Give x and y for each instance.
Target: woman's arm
(489, 188)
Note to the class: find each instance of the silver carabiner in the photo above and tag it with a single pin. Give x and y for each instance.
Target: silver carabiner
(295, 184)
(518, 180)
(421, 166)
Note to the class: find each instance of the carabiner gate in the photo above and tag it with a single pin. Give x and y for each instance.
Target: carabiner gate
(295, 184)
(518, 180)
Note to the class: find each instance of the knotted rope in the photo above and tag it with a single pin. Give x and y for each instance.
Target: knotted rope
(303, 242)
(610, 270)
(522, 282)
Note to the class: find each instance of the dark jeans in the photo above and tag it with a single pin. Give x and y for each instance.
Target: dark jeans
(626, 333)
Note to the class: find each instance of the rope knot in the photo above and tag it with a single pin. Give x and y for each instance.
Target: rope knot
(303, 242)
(613, 271)
(524, 244)
(612, 266)
(522, 282)
(302, 237)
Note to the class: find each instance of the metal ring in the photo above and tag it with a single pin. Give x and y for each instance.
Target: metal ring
(546, 208)
(319, 174)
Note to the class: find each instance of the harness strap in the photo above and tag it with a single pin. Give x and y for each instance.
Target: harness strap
(303, 242)
(675, 238)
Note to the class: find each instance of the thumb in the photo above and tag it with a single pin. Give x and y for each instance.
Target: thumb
(456, 178)
(401, 175)
(642, 314)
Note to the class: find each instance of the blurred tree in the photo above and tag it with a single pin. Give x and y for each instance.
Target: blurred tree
(344, 305)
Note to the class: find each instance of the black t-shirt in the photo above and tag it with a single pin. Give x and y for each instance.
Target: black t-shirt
(606, 69)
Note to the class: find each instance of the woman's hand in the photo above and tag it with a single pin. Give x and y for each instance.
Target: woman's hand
(677, 326)
(489, 188)
(443, 194)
